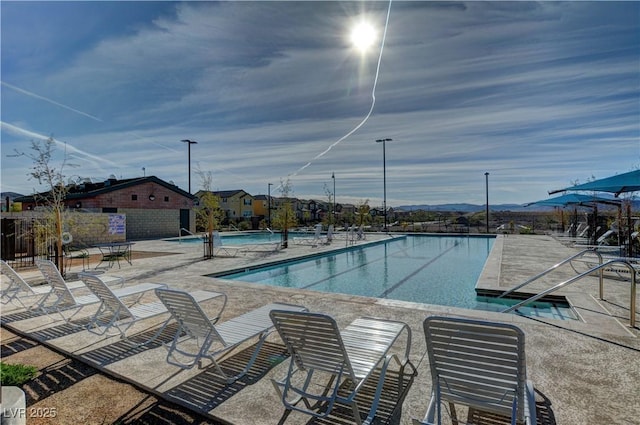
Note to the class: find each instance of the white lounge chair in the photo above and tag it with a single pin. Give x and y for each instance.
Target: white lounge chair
(262, 248)
(313, 241)
(121, 316)
(219, 250)
(213, 339)
(319, 349)
(479, 364)
(61, 298)
(20, 291)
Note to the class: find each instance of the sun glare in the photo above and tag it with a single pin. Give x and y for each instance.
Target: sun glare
(363, 36)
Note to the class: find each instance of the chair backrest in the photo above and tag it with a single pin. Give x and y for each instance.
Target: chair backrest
(330, 233)
(318, 231)
(59, 287)
(217, 239)
(313, 340)
(188, 313)
(477, 363)
(16, 280)
(109, 300)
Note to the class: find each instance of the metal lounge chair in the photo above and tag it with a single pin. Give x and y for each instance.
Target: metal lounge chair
(319, 349)
(313, 241)
(122, 317)
(479, 364)
(20, 291)
(61, 298)
(213, 339)
(220, 250)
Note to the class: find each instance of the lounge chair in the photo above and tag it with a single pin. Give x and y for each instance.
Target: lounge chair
(319, 349)
(213, 339)
(61, 298)
(313, 241)
(19, 290)
(479, 364)
(262, 248)
(121, 316)
(219, 250)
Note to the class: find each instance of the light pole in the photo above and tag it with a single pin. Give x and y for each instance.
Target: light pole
(384, 177)
(486, 185)
(189, 143)
(269, 201)
(333, 176)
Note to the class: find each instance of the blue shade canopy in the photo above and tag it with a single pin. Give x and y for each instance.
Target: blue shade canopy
(573, 199)
(627, 182)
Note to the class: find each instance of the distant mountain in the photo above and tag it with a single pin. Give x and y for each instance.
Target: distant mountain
(470, 208)
(467, 208)
(11, 195)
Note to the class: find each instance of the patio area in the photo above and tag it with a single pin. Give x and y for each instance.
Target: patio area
(584, 371)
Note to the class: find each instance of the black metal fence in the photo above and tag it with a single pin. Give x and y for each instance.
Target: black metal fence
(22, 242)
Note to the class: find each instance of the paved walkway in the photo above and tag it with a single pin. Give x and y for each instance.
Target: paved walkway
(585, 372)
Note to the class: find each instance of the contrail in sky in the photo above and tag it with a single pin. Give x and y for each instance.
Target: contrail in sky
(89, 157)
(373, 101)
(53, 102)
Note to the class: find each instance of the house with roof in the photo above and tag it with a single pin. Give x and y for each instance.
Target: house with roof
(236, 204)
(150, 206)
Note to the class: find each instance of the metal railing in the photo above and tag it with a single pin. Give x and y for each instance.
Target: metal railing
(552, 268)
(598, 268)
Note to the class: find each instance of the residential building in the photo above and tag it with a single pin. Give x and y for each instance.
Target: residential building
(141, 207)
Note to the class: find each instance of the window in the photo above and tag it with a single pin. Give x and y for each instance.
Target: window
(166, 199)
(247, 214)
(134, 197)
(247, 201)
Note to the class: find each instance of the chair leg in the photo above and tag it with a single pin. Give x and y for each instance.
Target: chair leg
(454, 416)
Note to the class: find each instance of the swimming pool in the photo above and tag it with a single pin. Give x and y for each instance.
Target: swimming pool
(248, 238)
(439, 270)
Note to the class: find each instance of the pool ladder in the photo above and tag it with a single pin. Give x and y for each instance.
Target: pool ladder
(599, 268)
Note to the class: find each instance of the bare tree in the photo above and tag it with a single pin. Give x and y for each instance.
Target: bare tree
(208, 212)
(46, 174)
(330, 218)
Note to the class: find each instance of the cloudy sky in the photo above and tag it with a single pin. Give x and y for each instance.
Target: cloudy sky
(540, 95)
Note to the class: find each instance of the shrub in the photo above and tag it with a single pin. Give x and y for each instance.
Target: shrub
(16, 374)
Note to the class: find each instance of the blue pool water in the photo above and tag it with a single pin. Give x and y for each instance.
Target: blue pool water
(439, 270)
(238, 238)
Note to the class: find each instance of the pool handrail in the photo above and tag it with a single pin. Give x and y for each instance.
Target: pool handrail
(599, 268)
(550, 269)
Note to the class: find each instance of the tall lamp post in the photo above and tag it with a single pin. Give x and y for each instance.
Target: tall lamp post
(189, 143)
(486, 185)
(384, 177)
(333, 176)
(269, 201)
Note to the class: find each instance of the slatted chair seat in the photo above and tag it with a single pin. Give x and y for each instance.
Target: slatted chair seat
(120, 315)
(318, 348)
(478, 364)
(20, 291)
(61, 298)
(213, 339)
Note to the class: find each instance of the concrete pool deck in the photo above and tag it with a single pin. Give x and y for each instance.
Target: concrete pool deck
(585, 372)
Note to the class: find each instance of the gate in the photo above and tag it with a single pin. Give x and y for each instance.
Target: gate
(20, 246)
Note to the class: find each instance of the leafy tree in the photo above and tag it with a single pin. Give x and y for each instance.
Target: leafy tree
(363, 213)
(208, 212)
(285, 217)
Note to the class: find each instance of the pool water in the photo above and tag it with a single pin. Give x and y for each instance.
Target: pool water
(239, 238)
(439, 270)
